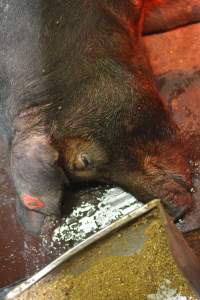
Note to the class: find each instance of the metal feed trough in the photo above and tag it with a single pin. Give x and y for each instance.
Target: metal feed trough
(186, 260)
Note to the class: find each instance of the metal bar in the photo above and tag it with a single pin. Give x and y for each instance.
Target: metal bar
(90, 240)
(185, 258)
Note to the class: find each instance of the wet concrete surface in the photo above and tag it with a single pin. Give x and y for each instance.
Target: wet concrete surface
(175, 58)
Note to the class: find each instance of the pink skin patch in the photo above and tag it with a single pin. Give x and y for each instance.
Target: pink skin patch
(32, 202)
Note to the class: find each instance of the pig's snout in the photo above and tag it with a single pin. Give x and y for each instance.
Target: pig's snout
(173, 182)
(177, 197)
(160, 171)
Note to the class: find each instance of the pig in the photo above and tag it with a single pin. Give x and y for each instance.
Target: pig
(78, 102)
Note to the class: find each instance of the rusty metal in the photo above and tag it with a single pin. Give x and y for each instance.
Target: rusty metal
(185, 258)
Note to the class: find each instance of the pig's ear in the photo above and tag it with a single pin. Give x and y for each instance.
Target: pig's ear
(38, 180)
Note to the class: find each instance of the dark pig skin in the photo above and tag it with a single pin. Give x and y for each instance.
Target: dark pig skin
(78, 102)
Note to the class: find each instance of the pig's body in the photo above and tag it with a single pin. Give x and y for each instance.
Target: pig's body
(78, 102)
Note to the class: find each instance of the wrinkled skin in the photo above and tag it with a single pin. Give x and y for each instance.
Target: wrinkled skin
(78, 103)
